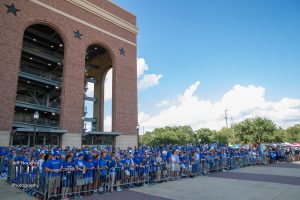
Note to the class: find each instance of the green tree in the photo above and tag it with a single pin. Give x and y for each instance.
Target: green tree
(224, 136)
(168, 135)
(203, 136)
(293, 133)
(255, 130)
(279, 135)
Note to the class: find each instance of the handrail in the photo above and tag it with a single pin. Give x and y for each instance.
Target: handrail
(37, 101)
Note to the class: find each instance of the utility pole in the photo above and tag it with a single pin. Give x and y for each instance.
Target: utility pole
(226, 118)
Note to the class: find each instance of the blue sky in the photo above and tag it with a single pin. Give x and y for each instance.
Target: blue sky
(221, 44)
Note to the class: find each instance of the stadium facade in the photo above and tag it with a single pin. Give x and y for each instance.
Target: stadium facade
(51, 52)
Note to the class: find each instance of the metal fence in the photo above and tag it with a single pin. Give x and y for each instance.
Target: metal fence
(75, 183)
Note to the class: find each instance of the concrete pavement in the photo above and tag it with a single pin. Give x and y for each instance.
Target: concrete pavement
(7, 192)
(257, 182)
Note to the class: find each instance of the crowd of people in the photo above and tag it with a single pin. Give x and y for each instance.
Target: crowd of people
(58, 172)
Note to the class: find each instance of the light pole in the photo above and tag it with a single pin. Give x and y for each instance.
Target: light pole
(36, 116)
(138, 137)
(226, 118)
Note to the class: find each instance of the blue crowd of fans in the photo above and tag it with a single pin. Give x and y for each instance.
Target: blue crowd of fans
(62, 172)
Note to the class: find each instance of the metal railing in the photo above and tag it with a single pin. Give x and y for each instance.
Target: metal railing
(21, 118)
(36, 101)
(71, 182)
(41, 74)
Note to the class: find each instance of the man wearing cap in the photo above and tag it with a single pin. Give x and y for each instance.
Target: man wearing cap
(53, 168)
(131, 168)
(89, 166)
(80, 171)
(102, 167)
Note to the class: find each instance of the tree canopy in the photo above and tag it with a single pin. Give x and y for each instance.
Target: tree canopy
(254, 130)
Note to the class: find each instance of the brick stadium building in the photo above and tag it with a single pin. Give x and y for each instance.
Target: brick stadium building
(50, 52)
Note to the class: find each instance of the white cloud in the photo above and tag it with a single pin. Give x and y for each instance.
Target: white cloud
(143, 117)
(108, 86)
(163, 103)
(107, 124)
(141, 67)
(88, 126)
(146, 81)
(241, 101)
(90, 90)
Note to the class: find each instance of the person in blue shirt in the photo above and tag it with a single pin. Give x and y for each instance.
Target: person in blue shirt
(112, 171)
(138, 164)
(68, 169)
(103, 170)
(53, 168)
(43, 175)
(119, 170)
(96, 175)
(89, 166)
(129, 168)
(211, 159)
(193, 163)
(33, 170)
(153, 169)
(159, 166)
(79, 173)
(216, 161)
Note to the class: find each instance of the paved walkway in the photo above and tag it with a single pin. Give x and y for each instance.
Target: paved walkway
(277, 182)
(9, 193)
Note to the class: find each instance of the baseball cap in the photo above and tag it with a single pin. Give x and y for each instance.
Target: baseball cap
(55, 154)
(89, 157)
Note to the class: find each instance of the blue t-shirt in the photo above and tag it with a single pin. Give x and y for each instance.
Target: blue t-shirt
(201, 155)
(89, 170)
(68, 165)
(53, 165)
(80, 165)
(119, 166)
(103, 165)
(113, 165)
(4, 152)
(96, 163)
(43, 168)
(138, 160)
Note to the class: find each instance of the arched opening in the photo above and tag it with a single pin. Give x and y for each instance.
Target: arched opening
(37, 108)
(98, 97)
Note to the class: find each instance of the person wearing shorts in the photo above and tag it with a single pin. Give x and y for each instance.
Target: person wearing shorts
(119, 170)
(103, 170)
(53, 168)
(96, 175)
(80, 171)
(89, 166)
(112, 171)
(67, 175)
(175, 168)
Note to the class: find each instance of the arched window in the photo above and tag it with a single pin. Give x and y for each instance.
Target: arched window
(98, 94)
(39, 85)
